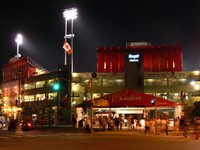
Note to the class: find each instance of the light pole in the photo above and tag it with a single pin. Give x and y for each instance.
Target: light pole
(69, 14)
(18, 40)
(93, 76)
(19, 92)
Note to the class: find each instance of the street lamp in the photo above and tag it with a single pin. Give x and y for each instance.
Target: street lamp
(93, 76)
(19, 93)
(69, 14)
(18, 40)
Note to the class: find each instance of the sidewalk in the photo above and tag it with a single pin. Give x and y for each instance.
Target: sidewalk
(125, 130)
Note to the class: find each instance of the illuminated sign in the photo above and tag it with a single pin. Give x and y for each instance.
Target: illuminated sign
(133, 58)
(132, 98)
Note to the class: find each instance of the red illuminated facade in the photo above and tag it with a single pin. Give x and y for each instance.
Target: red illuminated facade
(160, 58)
(25, 66)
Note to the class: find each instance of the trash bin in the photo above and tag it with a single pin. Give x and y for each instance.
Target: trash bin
(80, 123)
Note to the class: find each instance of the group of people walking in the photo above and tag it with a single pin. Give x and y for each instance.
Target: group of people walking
(161, 126)
(151, 125)
(157, 126)
(117, 123)
(110, 123)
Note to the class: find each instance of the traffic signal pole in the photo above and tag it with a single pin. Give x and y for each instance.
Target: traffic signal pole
(94, 76)
(91, 114)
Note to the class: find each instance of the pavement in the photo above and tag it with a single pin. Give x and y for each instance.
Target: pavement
(125, 130)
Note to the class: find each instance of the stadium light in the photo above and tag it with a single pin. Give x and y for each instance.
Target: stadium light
(18, 40)
(69, 14)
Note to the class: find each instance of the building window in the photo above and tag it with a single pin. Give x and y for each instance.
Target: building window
(161, 82)
(40, 84)
(108, 82)
(172, 81)
(50, 82)
(119, 82)
(182, 81)
(29, 86)
(52, 96)
(28, 98)
(96, 95)
(40, 97)
(96, 82)
(149, 82)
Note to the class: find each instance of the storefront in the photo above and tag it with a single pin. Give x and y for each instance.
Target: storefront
(130, 102)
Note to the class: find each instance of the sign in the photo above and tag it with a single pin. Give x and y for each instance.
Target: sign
(133, 57)
(130, 98)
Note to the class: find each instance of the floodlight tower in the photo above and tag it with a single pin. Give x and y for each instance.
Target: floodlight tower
(18, 40)
(69, 14)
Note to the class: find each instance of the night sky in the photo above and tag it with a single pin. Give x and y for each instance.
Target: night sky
(99, 23)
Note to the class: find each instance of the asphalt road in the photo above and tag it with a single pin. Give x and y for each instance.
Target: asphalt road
(117, 140)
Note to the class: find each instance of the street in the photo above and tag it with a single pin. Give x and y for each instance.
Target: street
(117, 140)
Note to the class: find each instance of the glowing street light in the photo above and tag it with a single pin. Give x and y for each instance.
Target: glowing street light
(18, 40)
(69, 14)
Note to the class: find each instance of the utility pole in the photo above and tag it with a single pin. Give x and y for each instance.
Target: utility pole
(94, 76)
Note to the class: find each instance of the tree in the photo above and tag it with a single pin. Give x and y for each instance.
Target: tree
(196, 109)
(27, 113)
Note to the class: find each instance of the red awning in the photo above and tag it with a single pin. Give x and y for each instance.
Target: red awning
(131, 98)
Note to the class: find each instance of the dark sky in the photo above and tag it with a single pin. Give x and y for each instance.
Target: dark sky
(99, 23)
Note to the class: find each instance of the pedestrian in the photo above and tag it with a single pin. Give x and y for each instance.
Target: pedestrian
(183, 126)
(108, 122)
(117, 123)
(167, 125)
(18, 130)
(104, 123)
(121, 121)
(138, 124)
(87, 125)
(176, 126)
(111, 124)
(152, 125)
(163, 125)
(132, 122)
(147, 125)
(74, 121)
(100, 122)
(157, 125)
(129, 121)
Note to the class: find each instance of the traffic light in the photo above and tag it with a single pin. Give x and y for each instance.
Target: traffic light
(94, 75)
(56, 86)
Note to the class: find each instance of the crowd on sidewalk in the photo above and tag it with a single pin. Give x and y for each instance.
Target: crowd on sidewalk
(160, 126)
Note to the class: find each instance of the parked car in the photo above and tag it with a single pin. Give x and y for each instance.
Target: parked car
(26, 125)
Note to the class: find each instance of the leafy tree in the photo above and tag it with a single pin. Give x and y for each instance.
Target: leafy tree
(196, 109)
(188, 110)
(27, 113)
(1, 107)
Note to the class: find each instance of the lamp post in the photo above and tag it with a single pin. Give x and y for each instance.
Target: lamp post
(94, 76)
(19, 91)
(69, 14)
(56, 88)
(18, 40)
